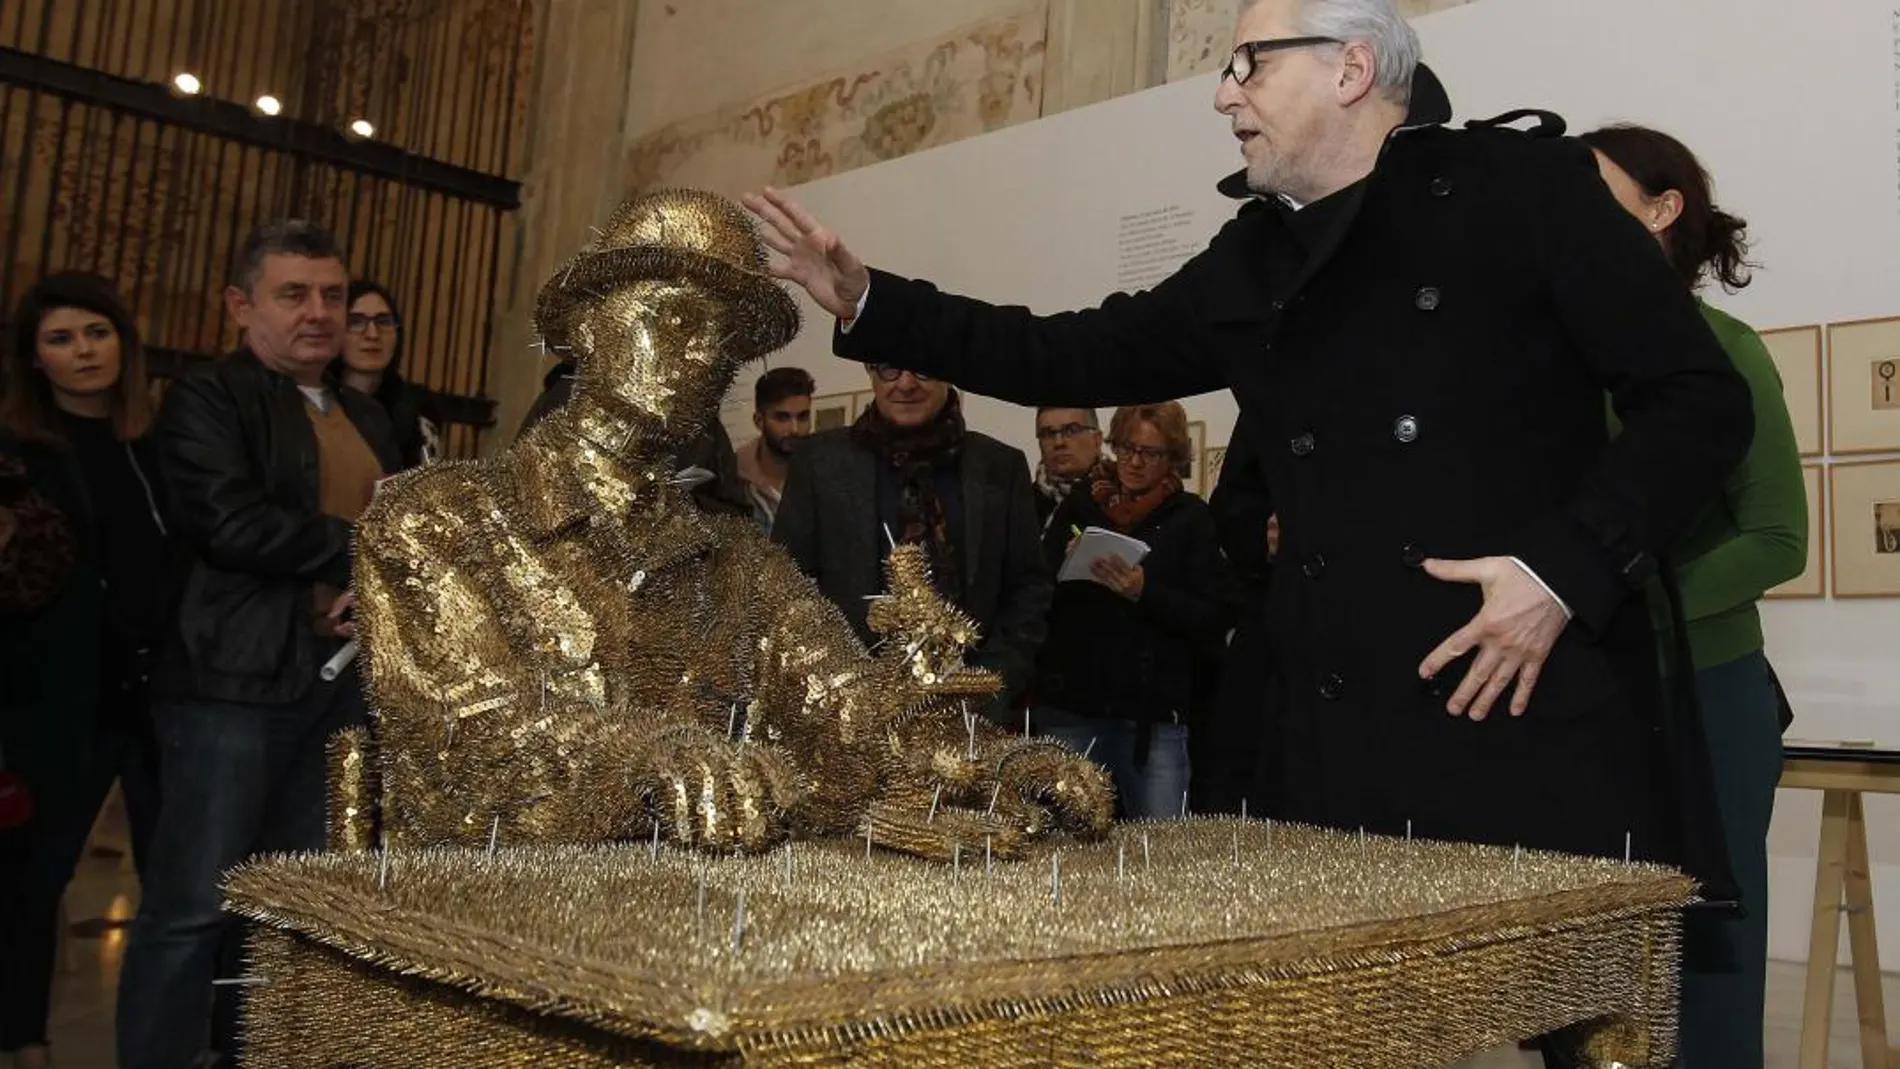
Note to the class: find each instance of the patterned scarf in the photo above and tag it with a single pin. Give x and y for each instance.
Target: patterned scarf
(917, 454)
(1123, 509)
(1054, 487)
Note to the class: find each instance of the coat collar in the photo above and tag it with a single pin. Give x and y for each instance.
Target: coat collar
(1430, 106)
(549, 498)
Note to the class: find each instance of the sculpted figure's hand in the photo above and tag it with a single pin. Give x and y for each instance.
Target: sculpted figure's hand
(706, 790)
(562, 648)
(958, 782)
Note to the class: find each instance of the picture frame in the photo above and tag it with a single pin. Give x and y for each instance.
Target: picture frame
(1865, 514)
(831, 411)
(1863, 362)
(1796, 352)
(1211, 461)
(1812, 582)
(1197, 468)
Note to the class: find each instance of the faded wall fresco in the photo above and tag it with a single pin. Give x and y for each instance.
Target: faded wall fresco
(1201, 32)
(979, 79)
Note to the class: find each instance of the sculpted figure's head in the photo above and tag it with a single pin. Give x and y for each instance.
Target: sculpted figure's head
(661, 310)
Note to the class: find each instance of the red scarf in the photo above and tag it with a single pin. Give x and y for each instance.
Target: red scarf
(1125, 510)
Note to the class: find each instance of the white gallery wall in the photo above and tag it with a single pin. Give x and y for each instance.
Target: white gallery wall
(1795, 108)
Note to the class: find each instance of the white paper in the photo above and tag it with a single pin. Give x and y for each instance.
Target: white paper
(1099, 543)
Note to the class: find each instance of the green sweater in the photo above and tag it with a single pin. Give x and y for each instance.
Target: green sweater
(1753, 537)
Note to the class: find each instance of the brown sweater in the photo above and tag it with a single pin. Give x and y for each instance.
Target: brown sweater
(347, 468)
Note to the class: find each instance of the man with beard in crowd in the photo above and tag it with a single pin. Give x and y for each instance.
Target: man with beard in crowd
(781, 410)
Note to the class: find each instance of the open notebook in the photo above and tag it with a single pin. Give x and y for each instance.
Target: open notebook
(1097, 543)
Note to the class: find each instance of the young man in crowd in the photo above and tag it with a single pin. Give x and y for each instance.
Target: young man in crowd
(781, 410)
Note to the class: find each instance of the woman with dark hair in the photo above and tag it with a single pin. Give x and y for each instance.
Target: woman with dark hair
(83, 598)
(1750, 540)
(1118, 672)
(372, 348)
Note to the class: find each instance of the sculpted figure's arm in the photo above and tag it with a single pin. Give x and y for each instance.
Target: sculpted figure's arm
(1131, 349)
(470, 733)
(895, 746)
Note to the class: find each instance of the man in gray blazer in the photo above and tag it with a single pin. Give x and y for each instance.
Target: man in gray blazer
(909, 471)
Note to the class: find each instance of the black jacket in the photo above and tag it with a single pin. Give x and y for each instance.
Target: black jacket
(1109, 657)
(827, 520)
(240, 463)
(1237, 748)
(1428, 381)
(406, 407)
(56, 662)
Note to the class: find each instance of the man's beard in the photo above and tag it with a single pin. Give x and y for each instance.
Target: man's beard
(781, 447)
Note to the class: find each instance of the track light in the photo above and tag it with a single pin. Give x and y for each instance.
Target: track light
(362, 128)
(268, 105)
(187, 83)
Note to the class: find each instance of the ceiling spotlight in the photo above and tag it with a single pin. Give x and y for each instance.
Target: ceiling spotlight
(187, 83)
(362, 128)
(268, 105)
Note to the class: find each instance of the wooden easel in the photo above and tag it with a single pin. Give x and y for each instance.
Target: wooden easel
(1843, 884)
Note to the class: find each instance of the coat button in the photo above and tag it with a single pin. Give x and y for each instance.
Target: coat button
(1333, 687)
(1314, 566)
(1441, 186)
(1413, 555)
(1279, 305)
(1303, 444)
(1405, 428)
(1426, 299)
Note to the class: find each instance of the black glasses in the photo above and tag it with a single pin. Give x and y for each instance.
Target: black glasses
(384, 323)
(1148, 453)
(1246, 57)
(890, 373)
(1064, 432)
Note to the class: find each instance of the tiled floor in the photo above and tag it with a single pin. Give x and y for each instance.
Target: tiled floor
(105, 895)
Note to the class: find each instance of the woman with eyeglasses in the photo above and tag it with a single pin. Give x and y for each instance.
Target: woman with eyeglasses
(85, 577)
(1749, 540)
(372, 347)
(1116, 676)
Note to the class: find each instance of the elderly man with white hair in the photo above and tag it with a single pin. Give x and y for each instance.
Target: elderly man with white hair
(1422, 322)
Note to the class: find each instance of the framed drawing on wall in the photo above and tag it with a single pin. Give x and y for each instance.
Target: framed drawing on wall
(1195, 478)
(830, 411)
(1864, 387)
(1210, 468)
(1866, 529)
(1797, 355)
(1812, 582)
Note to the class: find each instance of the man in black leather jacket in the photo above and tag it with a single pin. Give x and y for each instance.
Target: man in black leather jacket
(268, 462)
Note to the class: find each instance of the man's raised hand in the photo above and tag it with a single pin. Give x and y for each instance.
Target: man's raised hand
(814, 258)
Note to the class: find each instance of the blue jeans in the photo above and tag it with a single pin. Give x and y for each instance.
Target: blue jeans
(1725, 963)
(238, 781)
(1153, 790)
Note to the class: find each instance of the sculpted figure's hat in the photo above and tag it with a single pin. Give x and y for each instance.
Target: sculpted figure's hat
(677, 235)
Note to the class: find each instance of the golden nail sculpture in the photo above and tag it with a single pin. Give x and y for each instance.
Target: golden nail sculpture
(628, 773)
(563, 648)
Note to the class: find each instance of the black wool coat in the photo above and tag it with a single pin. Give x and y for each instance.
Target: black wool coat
(1429, 381)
